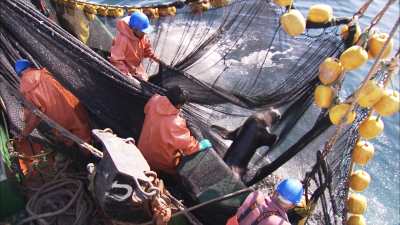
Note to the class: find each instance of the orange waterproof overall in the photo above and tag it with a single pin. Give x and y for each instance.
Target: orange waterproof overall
(164, 134)
(41, 89)
(128, 51)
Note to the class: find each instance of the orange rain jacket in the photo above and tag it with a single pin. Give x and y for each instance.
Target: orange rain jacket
(128, 51)
(40, 88)
(165, 135)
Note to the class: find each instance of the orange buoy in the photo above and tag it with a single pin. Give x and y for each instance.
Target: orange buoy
(370, 94)
(320, 13)
(359, 180)
(371, 127)
(337, 112)
(363, 152)
(293, 22)
(356, 220)
(330, 70)
(356, 203)
(323, 96)
(344, 33)
(375, 45)
(389, 104)
(353, 58)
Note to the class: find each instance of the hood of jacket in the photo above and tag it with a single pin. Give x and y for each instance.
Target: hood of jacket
(124, 29)
(30, 79)
(163, 106)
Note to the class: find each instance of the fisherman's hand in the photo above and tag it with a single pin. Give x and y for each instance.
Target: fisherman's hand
(204, 144)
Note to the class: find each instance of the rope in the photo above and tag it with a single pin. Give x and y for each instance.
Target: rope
(379, 16)
(219, 199)
(362, 10)
(62, 197)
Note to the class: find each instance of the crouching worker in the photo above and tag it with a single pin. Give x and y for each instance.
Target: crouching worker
(254, 133)
(49, 96)
(165, 136)
(131, 45)
(271, 210)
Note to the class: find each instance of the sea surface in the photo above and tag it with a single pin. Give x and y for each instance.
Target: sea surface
(384, 191)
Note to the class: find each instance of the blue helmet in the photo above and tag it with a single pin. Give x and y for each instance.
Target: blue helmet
(21, 65)
(140, 22)
(291, 190)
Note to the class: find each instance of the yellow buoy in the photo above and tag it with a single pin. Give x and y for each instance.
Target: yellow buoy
(371, 127)
(344, 33)
(102, 11)
(133, 9)
(370, 94)
(356, 204)
(330, 70)
(283, 3)
(363, 152)
(152, 13)
(375, 45)
(80, 6)
(320, 13)
(359, 180)
(356, 220)
(219, 3)
(200, 7)
(389, 104)
(337, 112)
(353, 58)
(90, 9)
(167, 11)
(116, 12)
(293, 22)
(323, 96)
(90, 16)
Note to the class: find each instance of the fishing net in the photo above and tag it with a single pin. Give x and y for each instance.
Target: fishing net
(233, 60)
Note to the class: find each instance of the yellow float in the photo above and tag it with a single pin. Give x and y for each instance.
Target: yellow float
(90, 9)
(344, 33)
(356, 220)
(370, 94)
(320, 13)
(371, 127)
(353, 58)
(375, 45)
(133, 9)
(356, 204)
(283, 3)
(293, 22)
(363, 152)
(167, 11)
(330, 70)
(199, 7)
(152, 13)
(219, 3)
(102, 11)
(359, 180)
(337, 112)
(116, 12)
(323, 96)
(389, 104)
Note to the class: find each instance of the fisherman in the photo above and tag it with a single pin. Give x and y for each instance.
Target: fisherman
(131, 45)
(165, 137)
(271, 210)
(49, 96)
(254, 133)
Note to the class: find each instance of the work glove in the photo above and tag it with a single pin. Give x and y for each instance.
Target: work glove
(204, 144)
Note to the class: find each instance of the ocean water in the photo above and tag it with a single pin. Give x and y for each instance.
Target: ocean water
(383, 194)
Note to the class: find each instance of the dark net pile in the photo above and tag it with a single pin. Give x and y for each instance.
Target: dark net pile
(234, 61)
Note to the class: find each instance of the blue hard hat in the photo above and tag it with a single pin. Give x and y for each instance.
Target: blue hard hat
(140, 22)
(291, 190)
(21, 65)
